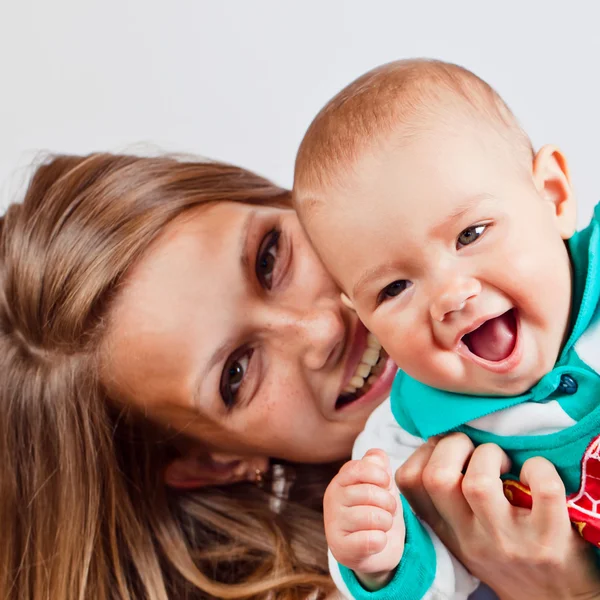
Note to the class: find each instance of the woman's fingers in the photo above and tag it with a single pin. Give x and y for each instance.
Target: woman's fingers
(526, 554)
(482, 486)
(549, 512)
(409, 479)
(443, 476)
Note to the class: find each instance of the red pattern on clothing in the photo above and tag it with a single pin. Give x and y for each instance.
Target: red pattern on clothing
(583, 506)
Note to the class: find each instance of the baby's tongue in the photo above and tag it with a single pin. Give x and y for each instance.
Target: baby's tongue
(495, 339)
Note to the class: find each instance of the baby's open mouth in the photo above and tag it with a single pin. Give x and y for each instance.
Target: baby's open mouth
(366, 373)
(495, 339)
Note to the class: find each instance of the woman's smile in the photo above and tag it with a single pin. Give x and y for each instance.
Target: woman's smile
(368, 369)
(266, 354)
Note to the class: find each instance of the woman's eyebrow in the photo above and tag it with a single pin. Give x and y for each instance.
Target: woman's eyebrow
(219, 355)
(246, 260)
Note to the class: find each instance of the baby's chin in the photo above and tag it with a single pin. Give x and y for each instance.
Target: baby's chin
(483, 383)
(509, 386)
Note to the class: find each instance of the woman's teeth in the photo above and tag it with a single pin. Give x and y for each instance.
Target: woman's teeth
(367, 370)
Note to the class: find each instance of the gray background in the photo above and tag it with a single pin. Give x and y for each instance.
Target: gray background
(240, 80)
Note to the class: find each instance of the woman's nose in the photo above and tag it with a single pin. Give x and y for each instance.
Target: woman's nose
(453, 296)
(316, 335)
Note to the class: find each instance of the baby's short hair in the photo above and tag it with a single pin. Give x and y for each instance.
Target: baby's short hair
(399, 98)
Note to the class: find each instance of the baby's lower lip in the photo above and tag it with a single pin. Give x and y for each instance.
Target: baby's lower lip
(505, 365)
(495, 339)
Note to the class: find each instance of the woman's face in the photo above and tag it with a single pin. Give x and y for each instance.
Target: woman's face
(230, 331)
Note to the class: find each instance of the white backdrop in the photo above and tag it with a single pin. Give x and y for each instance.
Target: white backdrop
(240, 80)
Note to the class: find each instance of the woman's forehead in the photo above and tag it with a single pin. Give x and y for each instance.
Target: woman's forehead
(178, 304)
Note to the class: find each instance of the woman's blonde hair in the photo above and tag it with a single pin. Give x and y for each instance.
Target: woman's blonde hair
(83, 507)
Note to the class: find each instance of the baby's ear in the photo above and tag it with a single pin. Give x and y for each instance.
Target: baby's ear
(553, 182)
(347, 302)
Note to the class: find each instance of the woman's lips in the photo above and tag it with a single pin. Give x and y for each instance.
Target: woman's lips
(372, 374)
(359, 344)
(367, 364)
(378, 389)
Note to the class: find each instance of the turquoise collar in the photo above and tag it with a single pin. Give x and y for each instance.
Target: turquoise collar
(426, 411)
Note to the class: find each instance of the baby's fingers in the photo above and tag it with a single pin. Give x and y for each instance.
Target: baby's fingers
(369, 495)
(364, 518)
(355, 547)
(363, 471)
(377, 457)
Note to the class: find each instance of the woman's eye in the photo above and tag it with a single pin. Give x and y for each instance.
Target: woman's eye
(392, 290)
(469, 235)
(233, 377)
(267, 257)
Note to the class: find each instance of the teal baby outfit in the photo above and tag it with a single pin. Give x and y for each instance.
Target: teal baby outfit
(567, 399)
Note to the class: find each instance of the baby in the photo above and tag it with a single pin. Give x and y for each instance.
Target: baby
(455, 243)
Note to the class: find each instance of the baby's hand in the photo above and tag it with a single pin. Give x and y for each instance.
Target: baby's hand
(363, 519)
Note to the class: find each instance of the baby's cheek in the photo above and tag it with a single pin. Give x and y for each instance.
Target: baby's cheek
(397, 351)
(391, 338)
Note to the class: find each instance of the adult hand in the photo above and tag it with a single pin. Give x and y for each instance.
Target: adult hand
(520, 553)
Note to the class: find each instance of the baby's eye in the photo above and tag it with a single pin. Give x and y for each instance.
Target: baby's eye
(232, 377)
(469, 235)
(392, 290)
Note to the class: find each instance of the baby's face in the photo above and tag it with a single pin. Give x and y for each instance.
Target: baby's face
(453, 256)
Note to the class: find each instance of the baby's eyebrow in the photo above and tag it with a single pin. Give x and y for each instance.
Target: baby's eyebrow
(464, 207)
(370, 275)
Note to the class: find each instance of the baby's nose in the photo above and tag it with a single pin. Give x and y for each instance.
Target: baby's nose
(454, 297)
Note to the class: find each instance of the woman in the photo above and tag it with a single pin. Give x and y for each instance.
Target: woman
(167, 323)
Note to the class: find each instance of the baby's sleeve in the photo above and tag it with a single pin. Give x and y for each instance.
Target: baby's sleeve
(427, 570)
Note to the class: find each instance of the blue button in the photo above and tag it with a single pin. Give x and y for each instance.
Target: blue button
(567, 385)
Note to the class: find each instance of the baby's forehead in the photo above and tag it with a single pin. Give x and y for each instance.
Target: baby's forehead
(424, 156)
(404, 99)
(344, 184)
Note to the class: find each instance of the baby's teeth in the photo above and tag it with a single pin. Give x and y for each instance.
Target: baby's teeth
(349, 390)
(371, 356)
(357, 381)
(372, 342)
(363, 370)
(372, 379)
